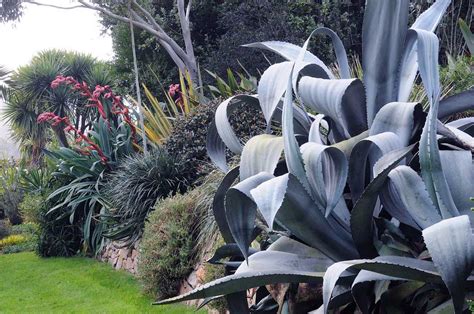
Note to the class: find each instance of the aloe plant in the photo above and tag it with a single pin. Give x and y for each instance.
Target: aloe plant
(371, 196)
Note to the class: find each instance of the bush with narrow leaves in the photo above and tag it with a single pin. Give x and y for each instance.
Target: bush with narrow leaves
(136, 185)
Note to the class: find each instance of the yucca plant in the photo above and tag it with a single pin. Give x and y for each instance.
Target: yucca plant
(371, 198)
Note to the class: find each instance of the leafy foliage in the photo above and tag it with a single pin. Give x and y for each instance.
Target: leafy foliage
(12, 240)
(159, 116)
(27, 233)
(188, 140)
(4, 229)
(216, 41)
(135, 186)
(372, 193)
(177, 234)
(167, 245)
(11, 193)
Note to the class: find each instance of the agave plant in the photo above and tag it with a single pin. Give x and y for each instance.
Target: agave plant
(371, 198)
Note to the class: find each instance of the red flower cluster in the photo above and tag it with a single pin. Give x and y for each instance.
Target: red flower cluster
(53, 118)
(81, 137)
(174, 91)
(118, 107)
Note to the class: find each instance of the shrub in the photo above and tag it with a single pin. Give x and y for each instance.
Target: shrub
(188, 140)
(5, 229)
(31, 206)
(57, 237)
(29, 232)
(12, 240)
(134, 187)
(11, 193)
(175, 234)
(166, 249)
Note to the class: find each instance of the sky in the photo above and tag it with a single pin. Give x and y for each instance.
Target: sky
(43, 28)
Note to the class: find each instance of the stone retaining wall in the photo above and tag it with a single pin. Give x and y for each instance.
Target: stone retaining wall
(120, 258)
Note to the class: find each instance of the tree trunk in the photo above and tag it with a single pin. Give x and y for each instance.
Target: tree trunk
(61, 135)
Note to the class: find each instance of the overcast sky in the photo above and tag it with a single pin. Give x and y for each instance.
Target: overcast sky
(43, 28)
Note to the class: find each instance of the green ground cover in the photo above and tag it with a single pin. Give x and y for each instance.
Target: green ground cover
(29, 284)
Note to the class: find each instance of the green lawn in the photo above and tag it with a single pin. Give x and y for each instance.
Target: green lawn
(29, 284)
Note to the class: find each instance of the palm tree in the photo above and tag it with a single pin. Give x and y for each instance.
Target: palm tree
(24, 128)
(32, 94)
(4, 81)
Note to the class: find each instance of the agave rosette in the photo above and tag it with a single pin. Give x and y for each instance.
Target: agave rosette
(370, 194)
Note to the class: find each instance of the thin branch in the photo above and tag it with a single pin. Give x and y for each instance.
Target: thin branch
(178, 50)
(53, 6)
(137, 85)
(188, 10)
(186, 32)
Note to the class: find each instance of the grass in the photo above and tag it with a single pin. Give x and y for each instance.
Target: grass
(29, 284)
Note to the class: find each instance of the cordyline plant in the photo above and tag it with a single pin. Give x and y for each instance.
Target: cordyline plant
(84, 166)
(371, 202)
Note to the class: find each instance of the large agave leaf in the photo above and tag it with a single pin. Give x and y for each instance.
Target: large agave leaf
(341, 100)
(272, 86)
(315, 130)
(360, 286)
(215, 147)
(427, 21)
(261, 154)
(341, 55)
(402, 125)
(223, 125)
(288, 245)
(361, 215)
(284, 199)
(293, 157)
(460, 138)
(450, 245)
(383, 36)
(405, 198)
(218, 204)
(459, 172)
(263, 268)
(326, 168)
(241, 210)
(363, 157)
(456, 103)
(393, 266)
(431, 169)
(290, 52)
(348, 145)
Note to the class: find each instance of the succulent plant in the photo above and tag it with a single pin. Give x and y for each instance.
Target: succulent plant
(371, 197)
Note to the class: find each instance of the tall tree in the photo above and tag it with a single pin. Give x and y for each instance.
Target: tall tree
(4, 81)
(31, 94)
(140, 15)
